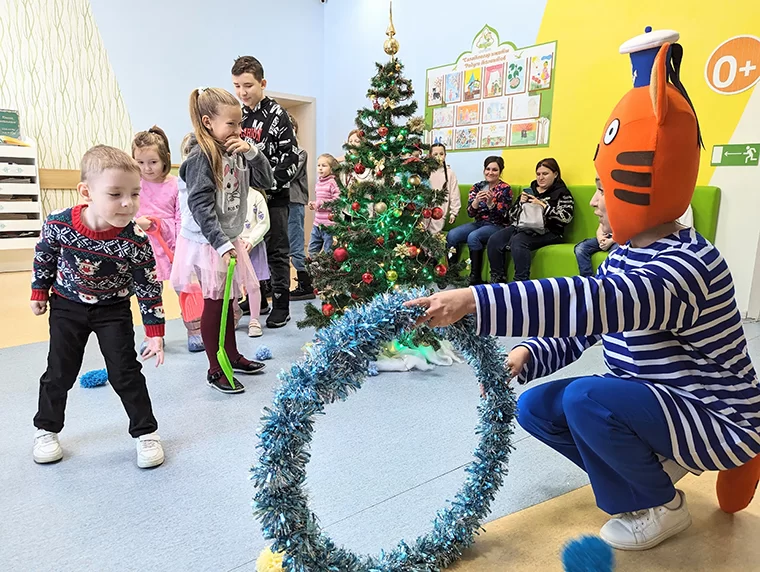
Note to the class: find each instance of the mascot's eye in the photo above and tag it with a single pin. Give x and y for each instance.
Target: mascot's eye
(612, 131)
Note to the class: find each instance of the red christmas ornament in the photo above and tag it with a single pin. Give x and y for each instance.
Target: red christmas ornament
(354, 296)
(331, 217)
(361, 133)
(376, 105)
(340, 254)
(410, 207)
(316, 292)
(392, 235)
(367, 278)
(328, 309)
(382, 131)
(359, 168)
(441, 270)
(380, 241)
(356, 206)
(437, 213)
(413, 251)
(427, 213)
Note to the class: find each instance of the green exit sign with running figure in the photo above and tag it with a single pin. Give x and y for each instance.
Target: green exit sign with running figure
(741, 155)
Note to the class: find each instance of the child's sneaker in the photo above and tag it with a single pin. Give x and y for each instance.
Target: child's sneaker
(645, 529)
(243, 365)
(195, 343)
(220, 382)
(150, 453)
(47, 449)
(254, 329)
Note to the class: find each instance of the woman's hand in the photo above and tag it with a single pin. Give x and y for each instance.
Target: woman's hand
(228, 255)
(445, 308)
(525, 197)
(236, 145)
(312, 205)
(517, 359)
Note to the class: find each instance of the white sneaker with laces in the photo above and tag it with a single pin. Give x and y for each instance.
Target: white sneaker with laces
(645, 529)
(47, 449)
(254, 329)
(150, 453)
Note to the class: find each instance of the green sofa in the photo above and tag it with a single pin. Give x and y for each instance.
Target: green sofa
(559, 259)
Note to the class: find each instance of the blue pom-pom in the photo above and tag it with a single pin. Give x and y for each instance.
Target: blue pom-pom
(263, 353)
(648, 29)
(372, 370)
(94, 378)
(587, 554)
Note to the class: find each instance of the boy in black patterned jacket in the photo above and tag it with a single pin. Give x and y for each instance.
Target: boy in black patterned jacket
(267, 126)
(88, 263)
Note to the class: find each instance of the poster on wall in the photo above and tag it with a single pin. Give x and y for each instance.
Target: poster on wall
(494, 96)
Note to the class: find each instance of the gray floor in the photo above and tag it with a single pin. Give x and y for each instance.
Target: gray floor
(383, 463)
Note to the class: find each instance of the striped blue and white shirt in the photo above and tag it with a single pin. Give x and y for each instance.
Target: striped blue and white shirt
(668, 318)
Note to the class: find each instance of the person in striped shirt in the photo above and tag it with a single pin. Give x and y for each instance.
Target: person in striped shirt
(681, 391)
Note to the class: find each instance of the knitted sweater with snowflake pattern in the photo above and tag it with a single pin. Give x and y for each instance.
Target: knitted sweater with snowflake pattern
(90, 267)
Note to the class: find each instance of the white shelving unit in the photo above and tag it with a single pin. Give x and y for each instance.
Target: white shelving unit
(20, 206)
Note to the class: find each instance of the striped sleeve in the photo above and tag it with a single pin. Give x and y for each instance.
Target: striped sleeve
(664, 295)
(548, 355)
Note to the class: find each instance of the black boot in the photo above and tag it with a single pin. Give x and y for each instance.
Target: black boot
(280, 310)
(304, 291)
(266, 288)
(476, 267)
(498, 278)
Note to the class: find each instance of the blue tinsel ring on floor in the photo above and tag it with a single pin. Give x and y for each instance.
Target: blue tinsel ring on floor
(337, 365)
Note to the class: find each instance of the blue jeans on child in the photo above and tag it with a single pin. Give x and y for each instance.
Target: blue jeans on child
(475, 234)
(611, 428)
(319, 241)
(584, 250)
(296, 236)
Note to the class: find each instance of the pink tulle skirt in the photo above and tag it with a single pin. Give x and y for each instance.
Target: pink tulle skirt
(199, 263)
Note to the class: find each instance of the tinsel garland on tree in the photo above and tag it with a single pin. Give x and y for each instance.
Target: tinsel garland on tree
(383, 243)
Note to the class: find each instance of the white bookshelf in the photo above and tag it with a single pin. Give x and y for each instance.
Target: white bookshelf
(20, 206)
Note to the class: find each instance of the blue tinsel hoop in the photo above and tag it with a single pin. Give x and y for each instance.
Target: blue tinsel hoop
(337, 364)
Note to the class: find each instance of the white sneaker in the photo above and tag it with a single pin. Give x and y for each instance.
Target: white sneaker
(47, 449)
(254, 329)
(150, 453)
(645, 529)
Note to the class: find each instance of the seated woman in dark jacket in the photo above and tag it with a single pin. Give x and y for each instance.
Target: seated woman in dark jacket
(538, 218)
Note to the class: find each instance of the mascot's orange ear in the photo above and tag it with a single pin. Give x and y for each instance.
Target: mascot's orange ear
(658, 84)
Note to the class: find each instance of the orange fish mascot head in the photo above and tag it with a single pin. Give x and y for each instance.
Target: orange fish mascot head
(648, 158)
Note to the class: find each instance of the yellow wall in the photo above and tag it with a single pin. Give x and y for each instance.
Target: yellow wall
(593, 76)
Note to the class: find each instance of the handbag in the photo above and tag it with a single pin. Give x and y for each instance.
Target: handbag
(531, 218)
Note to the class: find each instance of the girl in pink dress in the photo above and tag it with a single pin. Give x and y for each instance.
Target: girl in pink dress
(159, 201)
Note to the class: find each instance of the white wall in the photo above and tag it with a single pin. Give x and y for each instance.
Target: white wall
(430, 33)
(161, 50)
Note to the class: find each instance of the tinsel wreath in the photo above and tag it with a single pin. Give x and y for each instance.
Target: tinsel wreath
(337, 365)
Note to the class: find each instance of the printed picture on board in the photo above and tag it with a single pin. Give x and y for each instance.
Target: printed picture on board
(435, 90)
(472, 84)
(444, 136)
(517, 71)
(466, 138)
(526, 106)
(541, 72)
(523, 133)
(494, 135)
(468, 114)
(494, 80)
(443, 117)
(453, 88)
(496, 110)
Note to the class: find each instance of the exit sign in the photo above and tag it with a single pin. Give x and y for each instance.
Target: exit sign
(741, 155)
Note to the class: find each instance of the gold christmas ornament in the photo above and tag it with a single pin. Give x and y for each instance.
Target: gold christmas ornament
(391, 45)
(415, 180)
(389, 104)
(416, 124)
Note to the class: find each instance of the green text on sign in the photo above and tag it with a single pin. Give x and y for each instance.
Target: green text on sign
(741, 155)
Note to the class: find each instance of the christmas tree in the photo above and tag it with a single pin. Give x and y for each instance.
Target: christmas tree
(383, 244)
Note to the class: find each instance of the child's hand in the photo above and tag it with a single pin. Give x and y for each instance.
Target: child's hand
(227, 255)
(248, 247)
(237, 145)
(144, 223)
(155, 347)
(39, 307)
(312, 205)
(452, 219)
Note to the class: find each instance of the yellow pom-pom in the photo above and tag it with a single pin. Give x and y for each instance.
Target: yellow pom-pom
(269, 561)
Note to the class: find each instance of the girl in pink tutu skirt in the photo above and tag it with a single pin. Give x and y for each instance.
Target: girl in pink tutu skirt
(218, 172)
(159, 201)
